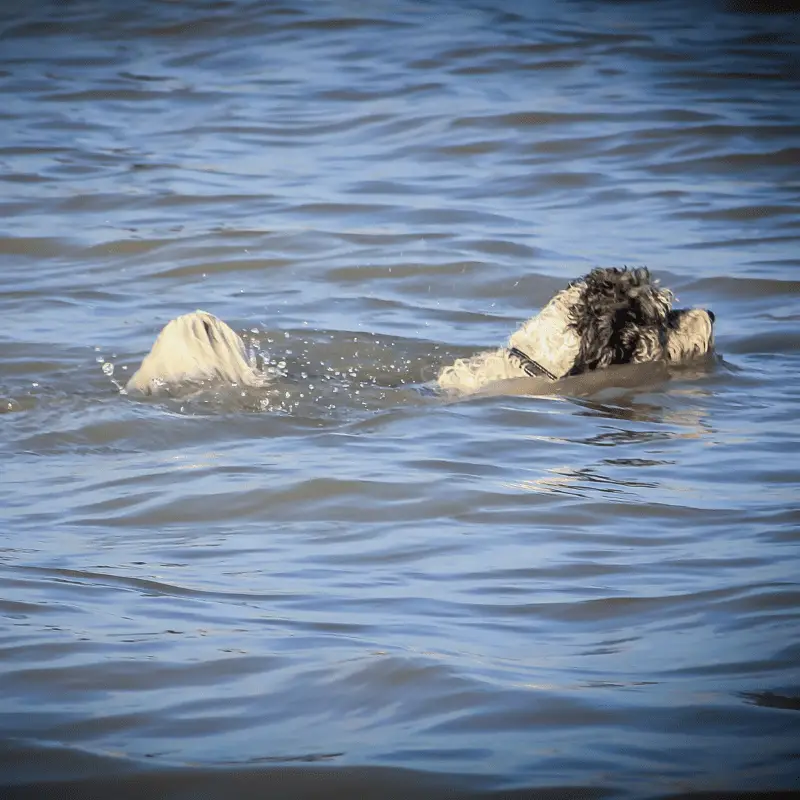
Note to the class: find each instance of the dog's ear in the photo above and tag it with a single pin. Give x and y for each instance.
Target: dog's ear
(619, 317)
(595, 317)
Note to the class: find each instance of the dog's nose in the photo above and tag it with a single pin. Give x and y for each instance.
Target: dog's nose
(711, 316)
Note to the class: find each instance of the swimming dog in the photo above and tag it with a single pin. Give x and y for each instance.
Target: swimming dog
(610, 316)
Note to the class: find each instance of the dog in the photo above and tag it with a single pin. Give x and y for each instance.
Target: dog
(192, 349)
(610, 316)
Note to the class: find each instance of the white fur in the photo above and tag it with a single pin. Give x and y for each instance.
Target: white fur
(547, 334)
(691, 337)
(195, 348)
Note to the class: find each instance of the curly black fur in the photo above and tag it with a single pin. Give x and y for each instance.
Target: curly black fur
(619, 317)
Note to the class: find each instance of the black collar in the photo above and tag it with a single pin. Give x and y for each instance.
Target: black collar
(529, 366)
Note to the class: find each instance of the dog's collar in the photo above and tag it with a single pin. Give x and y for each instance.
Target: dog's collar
(529, 366)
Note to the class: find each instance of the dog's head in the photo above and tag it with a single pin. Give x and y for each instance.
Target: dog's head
(611, 316)
(689, 333)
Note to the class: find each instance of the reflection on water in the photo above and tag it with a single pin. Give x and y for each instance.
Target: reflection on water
(346, 585)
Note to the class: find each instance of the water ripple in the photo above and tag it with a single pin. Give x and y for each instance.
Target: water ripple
(345, 584)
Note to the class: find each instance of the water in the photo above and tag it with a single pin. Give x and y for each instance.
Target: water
(347, 586)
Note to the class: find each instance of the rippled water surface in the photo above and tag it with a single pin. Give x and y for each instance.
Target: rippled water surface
(200, 596)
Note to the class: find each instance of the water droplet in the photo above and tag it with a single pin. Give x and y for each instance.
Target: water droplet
(108, 369)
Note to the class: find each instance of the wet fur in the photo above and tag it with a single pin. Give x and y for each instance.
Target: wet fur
(195, 348)
(610, 316)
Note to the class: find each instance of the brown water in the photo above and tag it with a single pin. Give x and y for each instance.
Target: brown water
(345, 586)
